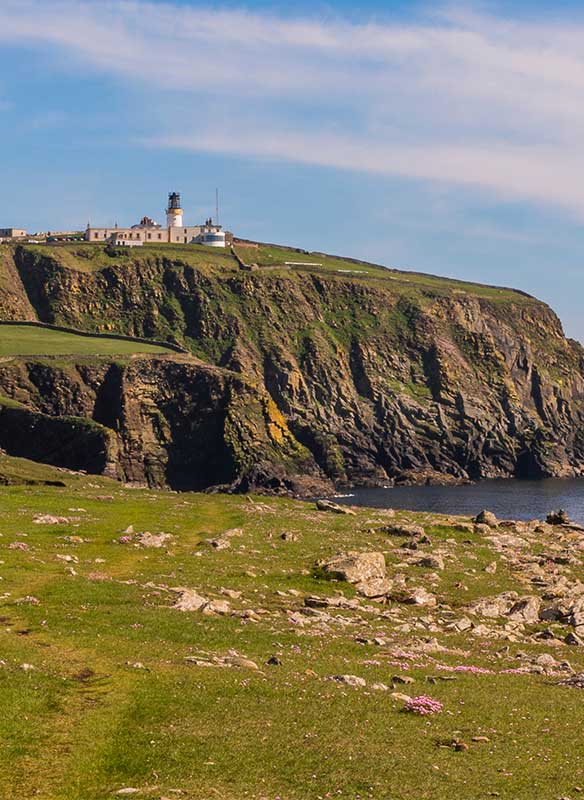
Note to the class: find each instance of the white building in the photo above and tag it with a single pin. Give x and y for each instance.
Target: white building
(149, 232)
(12, 233)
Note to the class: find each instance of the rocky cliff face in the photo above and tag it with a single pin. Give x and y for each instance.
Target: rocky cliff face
(164, 421)
(361, 380)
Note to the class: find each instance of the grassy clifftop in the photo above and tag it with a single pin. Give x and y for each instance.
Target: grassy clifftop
(93, 258)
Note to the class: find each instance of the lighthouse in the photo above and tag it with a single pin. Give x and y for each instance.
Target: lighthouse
(174, 214)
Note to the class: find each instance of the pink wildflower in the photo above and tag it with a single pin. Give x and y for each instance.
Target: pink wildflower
(124, 539)
(398, 664)
(423, 705)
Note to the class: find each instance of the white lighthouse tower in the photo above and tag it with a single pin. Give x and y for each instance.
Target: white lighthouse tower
(174, 214)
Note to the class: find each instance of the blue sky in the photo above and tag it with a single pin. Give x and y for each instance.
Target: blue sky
(443, 138)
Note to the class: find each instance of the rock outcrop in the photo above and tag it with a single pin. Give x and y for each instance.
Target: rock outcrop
(321, 375)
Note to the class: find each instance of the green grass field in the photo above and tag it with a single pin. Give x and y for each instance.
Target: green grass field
(27, 340)
(88, 257)
(405, 280)
(108, 703)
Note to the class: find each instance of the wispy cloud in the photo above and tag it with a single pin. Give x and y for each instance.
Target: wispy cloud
(458, 97)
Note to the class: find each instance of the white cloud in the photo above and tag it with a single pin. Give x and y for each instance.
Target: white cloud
(458, 98)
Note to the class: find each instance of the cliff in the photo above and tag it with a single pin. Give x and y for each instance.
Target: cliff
(344, 371)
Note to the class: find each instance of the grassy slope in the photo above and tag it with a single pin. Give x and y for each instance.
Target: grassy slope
(87, 721)
(24, 340)
(405, 281)
(90, 257)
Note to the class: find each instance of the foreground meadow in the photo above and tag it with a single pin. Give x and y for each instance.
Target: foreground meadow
(159, 645)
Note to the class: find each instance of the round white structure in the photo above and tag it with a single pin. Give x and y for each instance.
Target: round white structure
(213, 238)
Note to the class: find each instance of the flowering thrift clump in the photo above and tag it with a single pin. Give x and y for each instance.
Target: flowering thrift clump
(423, 705)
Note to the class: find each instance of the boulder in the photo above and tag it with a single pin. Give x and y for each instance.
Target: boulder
(314, 601)
(375, 587)
(576, 612)
(219, 544)
(355, 567)
(327, 505)
(432, 562)
(401, 529)
(419, 597)
(559, 517)
(190, 600)
(156, 540)
(526, 610)
(350, 680)
(493, 607)
(486, 518)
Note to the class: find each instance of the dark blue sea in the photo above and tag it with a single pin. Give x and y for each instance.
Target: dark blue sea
(508, 499)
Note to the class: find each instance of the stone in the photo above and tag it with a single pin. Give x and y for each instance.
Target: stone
(190, 600)
(401, 529)
(491, 568)
(313, 601)
(240, 661)
(486, 518)
(219, 607)
(550, 614)
(219, 544)
(419, 597)
(576, 612)
(432, 562)
(49, 519)
(232, 594)
(526, 609)
(402, 698)
(460, 625)
(156, 540)
(229, 534)
(573, 639)
(355, 567)
(559, 517)
(405, 679)
(350, 680)
(375, 587)
(335, 508)
(289, 537)
(493, 607)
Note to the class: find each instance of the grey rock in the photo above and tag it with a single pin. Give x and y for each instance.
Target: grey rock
(486, 518)
(432, 562)
(355, 567)
(327, 505)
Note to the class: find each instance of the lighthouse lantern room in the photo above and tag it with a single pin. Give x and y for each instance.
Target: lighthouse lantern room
(174, 214)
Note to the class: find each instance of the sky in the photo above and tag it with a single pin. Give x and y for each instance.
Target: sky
(445, 138)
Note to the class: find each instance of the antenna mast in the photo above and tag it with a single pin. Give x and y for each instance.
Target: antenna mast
(217, 206)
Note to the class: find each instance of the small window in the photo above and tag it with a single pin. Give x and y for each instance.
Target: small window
(160, 236)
